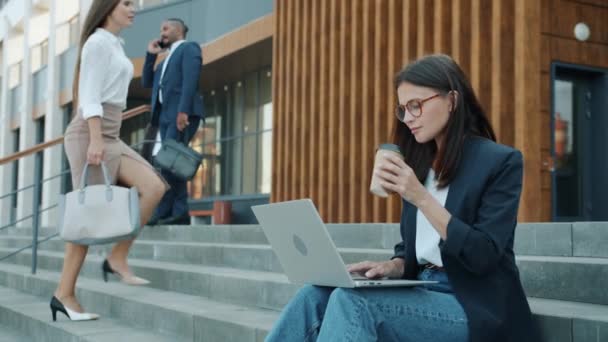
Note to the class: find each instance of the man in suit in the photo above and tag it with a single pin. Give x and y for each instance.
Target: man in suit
(177, 108)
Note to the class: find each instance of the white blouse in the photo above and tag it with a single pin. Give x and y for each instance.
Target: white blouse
(427, 238)
(105, 73)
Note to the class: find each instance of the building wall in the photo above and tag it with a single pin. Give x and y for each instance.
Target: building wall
(334, 63)
(558, 44)
(206, 19)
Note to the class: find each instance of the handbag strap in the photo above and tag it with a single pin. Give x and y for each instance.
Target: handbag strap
(85, 175)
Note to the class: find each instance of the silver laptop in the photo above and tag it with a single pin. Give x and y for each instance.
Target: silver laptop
(305, 249)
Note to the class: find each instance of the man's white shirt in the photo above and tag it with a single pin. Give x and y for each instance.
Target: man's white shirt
(173, 47)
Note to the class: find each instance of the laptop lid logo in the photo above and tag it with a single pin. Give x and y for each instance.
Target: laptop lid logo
(300, 245)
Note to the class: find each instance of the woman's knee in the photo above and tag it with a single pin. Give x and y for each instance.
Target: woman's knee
(313, 291)
(314, 294)
(155, 189)
(344, 296)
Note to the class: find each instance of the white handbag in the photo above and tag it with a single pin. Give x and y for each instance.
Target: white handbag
(98, 214)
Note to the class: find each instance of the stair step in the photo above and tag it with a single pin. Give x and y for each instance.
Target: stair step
(559, 320)
(563, 278)
(577, 279)
(344, 235)
(8, 334)
(552, 239)
(578, 239)
(570, 321)
(189, 317)
(30, 314)
(268, 290)
(251, 257)
(582, 239)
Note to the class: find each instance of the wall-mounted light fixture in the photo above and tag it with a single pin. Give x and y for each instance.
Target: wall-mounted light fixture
(582, 31)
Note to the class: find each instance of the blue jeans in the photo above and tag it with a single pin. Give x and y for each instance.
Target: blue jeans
(422, 313)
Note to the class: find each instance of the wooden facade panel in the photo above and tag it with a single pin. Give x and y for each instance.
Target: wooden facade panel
(546, 180)
(288, 110)
(323, 179)
(597, 3)
(545, 135)
(506, 88)
(312, 103)
(357, 183)
(561, 17)
(332, 113)
(379, 120)
(295, 98)
(333, 99)
(545, 205)
(572, 51)
(443, 27)
(278, 96)
(367, 136)
(464, 38)
(409, 27)
(394, 63)
(545, 91)
(527, 102)
(305, 101)
(343, 106)
(484, 54)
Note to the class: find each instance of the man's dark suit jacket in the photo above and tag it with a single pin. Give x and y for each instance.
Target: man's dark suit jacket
(477, 254)
(179, 83)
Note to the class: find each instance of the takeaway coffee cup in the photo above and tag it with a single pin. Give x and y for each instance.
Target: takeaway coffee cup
(382, 152)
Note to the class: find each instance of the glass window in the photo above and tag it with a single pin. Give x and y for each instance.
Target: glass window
(207, 181)
(264, 163)
(40, 128)
(44, 52)
(236, 139)
(35, 58)
(39, 55)
(565, 148)
(15, 178)
(249, 141)
(66, 182)
(14, 75)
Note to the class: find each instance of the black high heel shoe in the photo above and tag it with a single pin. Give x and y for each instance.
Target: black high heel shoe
(131, 280)
(105, 268)
(56, 305)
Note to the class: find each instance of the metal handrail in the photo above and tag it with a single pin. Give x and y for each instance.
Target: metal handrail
(39, 242)
(31, 186)
(43, 146)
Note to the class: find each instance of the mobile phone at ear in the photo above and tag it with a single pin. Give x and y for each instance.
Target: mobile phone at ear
(161, 44)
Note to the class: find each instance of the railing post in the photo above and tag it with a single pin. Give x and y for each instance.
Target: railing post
(36, 209)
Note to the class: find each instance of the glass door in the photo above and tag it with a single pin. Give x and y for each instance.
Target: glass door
(580, 142)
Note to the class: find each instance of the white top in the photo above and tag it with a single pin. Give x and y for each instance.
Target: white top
(173, 47)
(427, 238)
(105, 73)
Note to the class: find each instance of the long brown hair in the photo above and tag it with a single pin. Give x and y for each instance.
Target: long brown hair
(98, 14)
(442, 73)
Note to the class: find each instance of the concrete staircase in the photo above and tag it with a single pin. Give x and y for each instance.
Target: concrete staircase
(223, 283)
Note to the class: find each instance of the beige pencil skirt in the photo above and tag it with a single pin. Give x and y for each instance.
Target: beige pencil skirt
(76, 144)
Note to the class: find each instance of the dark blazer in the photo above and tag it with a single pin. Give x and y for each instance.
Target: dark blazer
(179, 83)
(478, 253)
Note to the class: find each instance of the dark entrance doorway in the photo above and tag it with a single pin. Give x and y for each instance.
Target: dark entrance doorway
(579, 143)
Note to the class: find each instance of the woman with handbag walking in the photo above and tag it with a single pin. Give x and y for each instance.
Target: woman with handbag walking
(101, 83)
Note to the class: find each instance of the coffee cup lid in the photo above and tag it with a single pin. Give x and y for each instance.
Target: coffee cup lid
(390, 147)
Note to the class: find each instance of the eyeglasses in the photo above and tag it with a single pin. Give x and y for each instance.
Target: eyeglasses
(413, 106)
